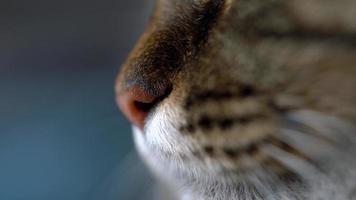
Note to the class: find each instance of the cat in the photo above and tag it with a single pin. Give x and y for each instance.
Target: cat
(246, 99)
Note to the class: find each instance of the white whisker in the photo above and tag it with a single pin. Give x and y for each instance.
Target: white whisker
(330, 127)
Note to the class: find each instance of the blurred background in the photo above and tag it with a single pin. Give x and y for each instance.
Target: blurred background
(61, 134)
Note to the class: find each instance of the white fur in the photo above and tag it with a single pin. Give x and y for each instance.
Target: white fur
(162, 146)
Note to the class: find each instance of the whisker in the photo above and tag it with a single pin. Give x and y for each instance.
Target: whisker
(321, 152)
(307, 143)
(338, 131)
(304, 128)
(301, 166)
(288, 148)
(272, 175)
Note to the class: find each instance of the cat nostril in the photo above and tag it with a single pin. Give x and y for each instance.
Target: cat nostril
(136, 103)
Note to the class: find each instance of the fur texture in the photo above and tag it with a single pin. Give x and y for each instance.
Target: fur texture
(259, 98)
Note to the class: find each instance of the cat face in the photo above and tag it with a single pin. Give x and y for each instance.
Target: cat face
(232, 92)
(190, 98)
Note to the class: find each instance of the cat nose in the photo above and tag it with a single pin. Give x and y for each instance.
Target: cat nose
(136, 103)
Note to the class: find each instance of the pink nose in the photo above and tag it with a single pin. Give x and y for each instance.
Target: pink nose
(135, 103)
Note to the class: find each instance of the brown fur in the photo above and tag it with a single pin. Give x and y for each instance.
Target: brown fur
(235, 68)
(153, 64)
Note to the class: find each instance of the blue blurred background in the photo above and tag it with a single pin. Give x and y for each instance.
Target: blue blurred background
(61, 134)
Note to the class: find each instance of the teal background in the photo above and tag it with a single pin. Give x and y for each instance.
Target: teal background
(61, 134)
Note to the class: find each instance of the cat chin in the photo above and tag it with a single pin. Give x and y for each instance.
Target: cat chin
(190, 181)
(200, 182)
(169, 155)
(161, 144)
(164, 158)
(170, 168)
